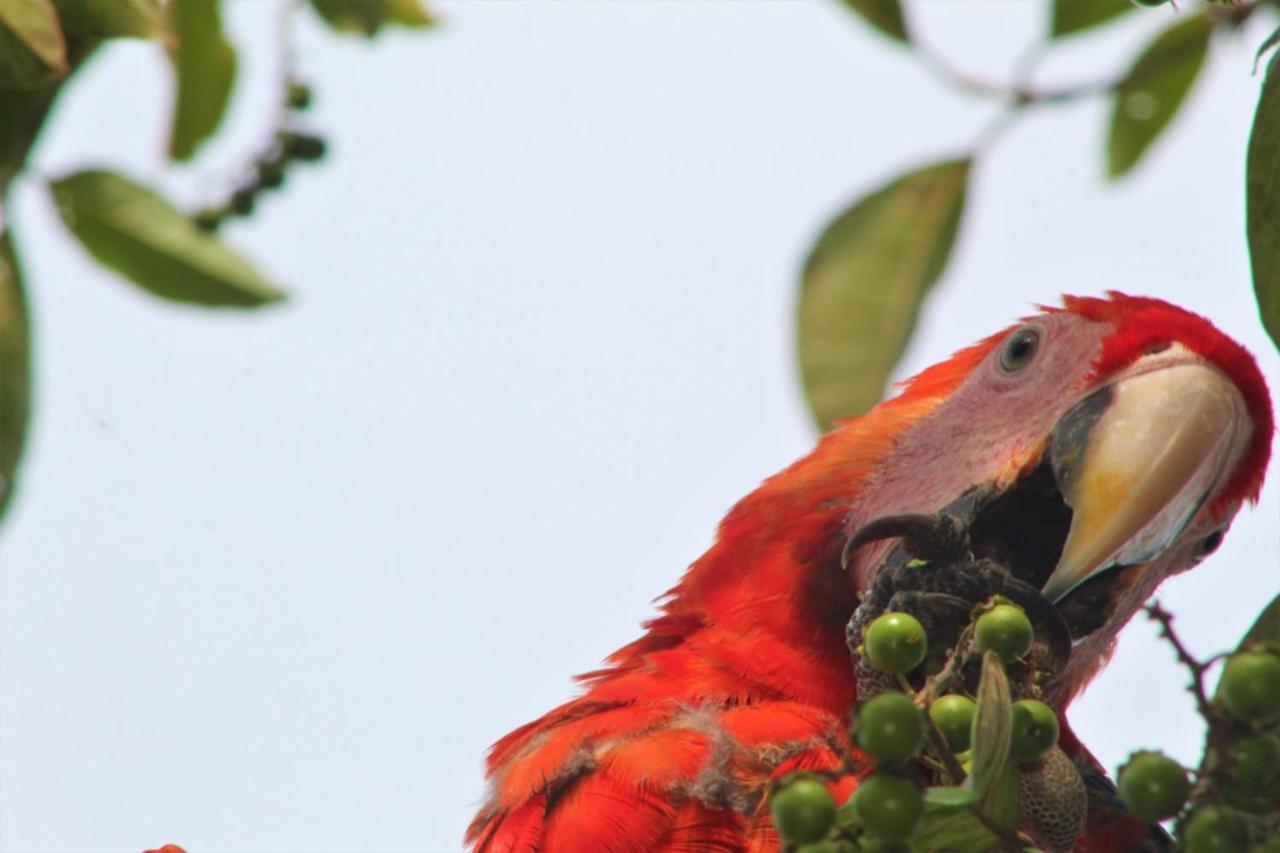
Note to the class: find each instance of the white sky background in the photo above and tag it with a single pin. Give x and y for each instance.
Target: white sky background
(276, 580)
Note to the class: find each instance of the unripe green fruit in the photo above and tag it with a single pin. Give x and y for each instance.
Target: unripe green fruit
(1005, 630)
(803, 810)
(889, 807)
(1256, 760)
(1035, 729)
(299, 96)
(894, 642)
(1213, 829)
(953, 715)
(1153, 786)
(890, 727)
(1250, 686)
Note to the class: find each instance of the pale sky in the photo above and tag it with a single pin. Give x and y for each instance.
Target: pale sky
(276, 580)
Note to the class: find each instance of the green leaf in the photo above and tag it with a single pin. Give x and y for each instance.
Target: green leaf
(1266, 628)
(952, 830)
(367, 17)
(1268, 43)
(410, 14)
(949, 799)
(32, 49)
(204, 66)
(139, 235)
(992, 729)
(102, 19)
(885, 15)
(1073, 16)
(1149, 96)
(15, 369)
(1262, 202)
(863, 284)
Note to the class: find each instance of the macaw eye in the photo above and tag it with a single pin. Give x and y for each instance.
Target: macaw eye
(1209, 544)
(1019, 350)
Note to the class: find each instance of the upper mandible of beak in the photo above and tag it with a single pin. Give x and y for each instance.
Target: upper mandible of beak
(1136, 460)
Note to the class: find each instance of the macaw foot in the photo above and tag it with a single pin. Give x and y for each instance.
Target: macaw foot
(933, 575)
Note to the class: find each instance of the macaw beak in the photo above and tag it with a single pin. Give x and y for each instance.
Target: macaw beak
(1137, 459)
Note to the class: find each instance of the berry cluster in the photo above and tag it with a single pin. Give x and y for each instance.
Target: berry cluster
(267, 172)
(908, 746)
(1233, 802)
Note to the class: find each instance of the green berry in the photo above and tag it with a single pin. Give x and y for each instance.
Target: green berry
(271, 173)
(242, 201)
(890, 727)
(1005, 630)
(303, 146)
(1153, 786)
(1256, 760)
(1250, 686)
(803, 810)
(888, 806)
(299, 95)
(894, 642)
(1035, 729)
(953, 715)
(1213, 829)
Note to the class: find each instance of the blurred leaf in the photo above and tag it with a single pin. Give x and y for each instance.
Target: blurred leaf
(863, 284)
(367, 17)
(32, 50)
(410, 14)
(15, 368)
(992, 729)
(1149, 96)
(112, 18)
(885, 15)
(1073, 16)
(1266, 628)
(204, 65)
(136, 233)
(1268, 43)
(24, 111)
(1262, 201)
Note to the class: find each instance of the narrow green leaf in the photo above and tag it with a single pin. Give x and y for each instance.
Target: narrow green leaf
(885, 15)
(1147, 99)
(949, 799)
(1267, 43)
(1073, 16)
(32, 49)
(204, 66)
(102, 19)
(139, 235)
(952, 830)
(367, 17)
(1262, 201)
(992, 729)
(15, 369)
(863, 284)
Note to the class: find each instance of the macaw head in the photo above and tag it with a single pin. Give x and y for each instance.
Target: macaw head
(1106, 446)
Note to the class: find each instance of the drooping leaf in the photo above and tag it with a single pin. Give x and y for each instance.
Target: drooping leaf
(1148, 98)
(863, 284)
(885, 15)
(15, 369)
(992, 729)
(1073, 16)
(949, 799)
(32, 49)
(24, 111)
(1262, 202)
(102, 19)
(204, 66)
(139, 235)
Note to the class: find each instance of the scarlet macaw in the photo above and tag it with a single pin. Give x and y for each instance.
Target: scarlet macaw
(1121, 436)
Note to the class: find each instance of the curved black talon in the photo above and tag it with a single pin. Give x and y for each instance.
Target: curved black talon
(935, 538)
(1048, 620)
